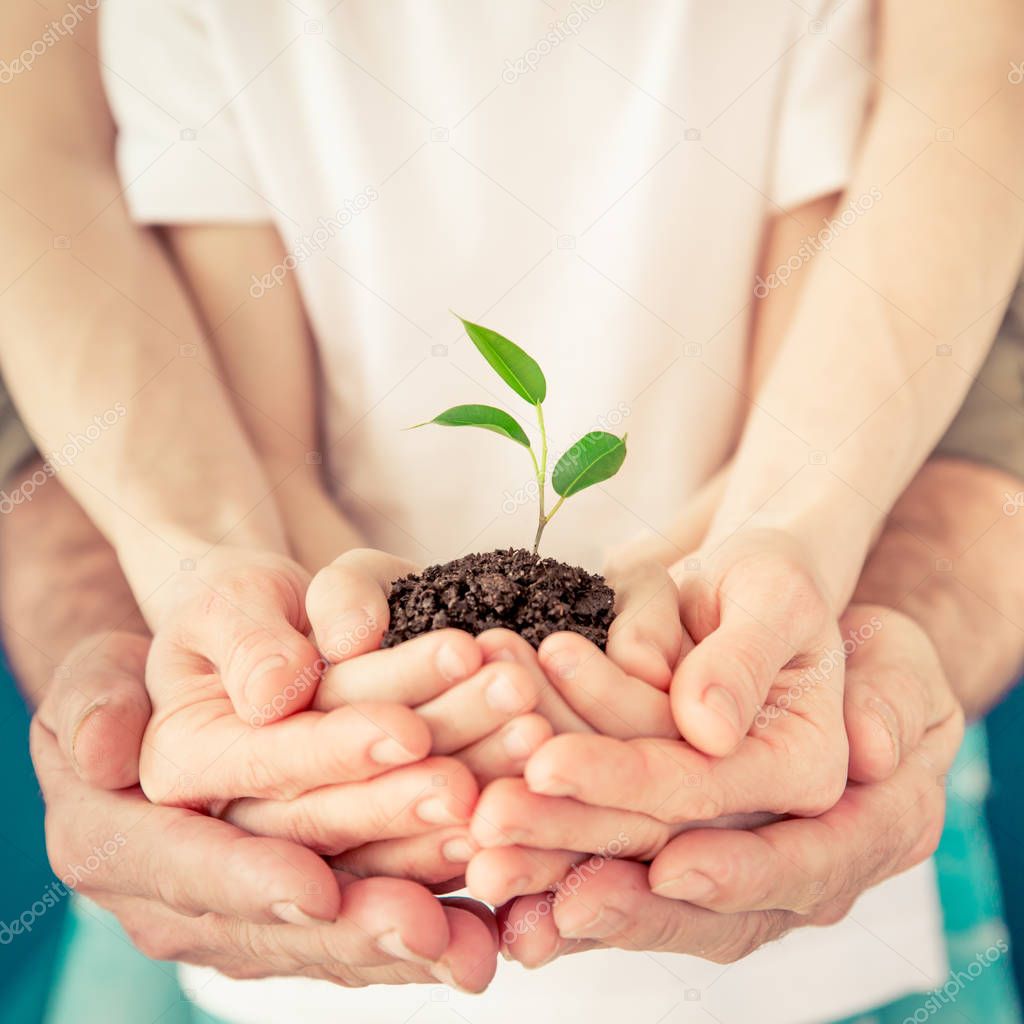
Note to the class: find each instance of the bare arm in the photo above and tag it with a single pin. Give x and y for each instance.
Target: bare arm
(949, 558)
(43, 541)
(267, 354)
(932, 262)
(98, 340)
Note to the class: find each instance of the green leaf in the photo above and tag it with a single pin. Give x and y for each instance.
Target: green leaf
(518, 370)
(485, 417)
(594, 458)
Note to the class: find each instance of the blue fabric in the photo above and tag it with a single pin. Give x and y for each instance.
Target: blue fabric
(32, 911)
(980, 988)
(1006, 814)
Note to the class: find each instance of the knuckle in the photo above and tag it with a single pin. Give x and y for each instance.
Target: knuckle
(308, 827)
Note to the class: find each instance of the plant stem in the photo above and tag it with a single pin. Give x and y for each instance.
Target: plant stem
(542, 475)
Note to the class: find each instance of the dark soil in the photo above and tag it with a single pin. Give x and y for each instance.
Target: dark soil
(516, 589)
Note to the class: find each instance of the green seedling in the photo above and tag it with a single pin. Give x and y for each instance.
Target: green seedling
(594, 458)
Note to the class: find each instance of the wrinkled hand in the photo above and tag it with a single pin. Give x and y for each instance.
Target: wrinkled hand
(721, 893)
(189, 887)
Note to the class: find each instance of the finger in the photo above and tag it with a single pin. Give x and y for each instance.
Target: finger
(508, 814)
(347, 602)
(765, 620)
(191, 863)
(387, 932)
(646, 637)
(431, 859)
(528, 931)
(411, 673)
(223, 758)
(601, 693)
(873, 832)
(251, 625)
(895, 689)
(500, 874)
(504, 645)
(472, 710)
(792, 766)
(616, 907)
(405, 802)
(471, 958)
(98, 708)
(505, 752)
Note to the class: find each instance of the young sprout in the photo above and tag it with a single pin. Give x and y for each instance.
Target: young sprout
(594, 458)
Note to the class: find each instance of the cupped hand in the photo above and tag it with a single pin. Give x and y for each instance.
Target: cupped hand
(190, 887)
(721, 893)
(238, 642)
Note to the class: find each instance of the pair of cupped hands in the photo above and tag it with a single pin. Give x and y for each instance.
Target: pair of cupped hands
(701, 787)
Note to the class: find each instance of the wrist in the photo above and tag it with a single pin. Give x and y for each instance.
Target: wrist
(833, 537)
(197, 567)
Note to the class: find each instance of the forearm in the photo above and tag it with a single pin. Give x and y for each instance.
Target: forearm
(59, 583)
(102, 353)
(859, 393)
(267, 355)
(949, 557)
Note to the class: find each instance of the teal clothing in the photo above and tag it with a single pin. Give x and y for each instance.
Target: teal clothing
(31, 914)
(980, 988)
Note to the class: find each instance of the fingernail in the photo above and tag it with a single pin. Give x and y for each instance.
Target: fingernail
(392, 944)
(693, 885)
(516, 745)
(885, 714)
(348, 631)
(502, 654)
(291, 914)
(458, 851)
(553, 786)
(723, 703)
(451, 664)
(587, 925)
(390, 751)
(504, 696)
(434, 811)
(86, 714)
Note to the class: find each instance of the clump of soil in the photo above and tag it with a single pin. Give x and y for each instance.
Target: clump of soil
(516, 589)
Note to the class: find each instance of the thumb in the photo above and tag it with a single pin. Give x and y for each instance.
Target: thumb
(765, 619)
(250, 623)
(97, 708)
(896, 690)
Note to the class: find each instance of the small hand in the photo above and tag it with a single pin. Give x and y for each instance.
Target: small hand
(193, 888)
(720, 893)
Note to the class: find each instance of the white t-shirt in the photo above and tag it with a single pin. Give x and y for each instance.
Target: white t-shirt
(591, 178)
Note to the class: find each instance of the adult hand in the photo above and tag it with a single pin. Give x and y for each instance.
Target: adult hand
(190, 887)
(721, 893)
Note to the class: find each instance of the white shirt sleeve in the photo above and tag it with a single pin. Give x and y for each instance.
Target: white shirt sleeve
(180, 153)
(824, 103)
